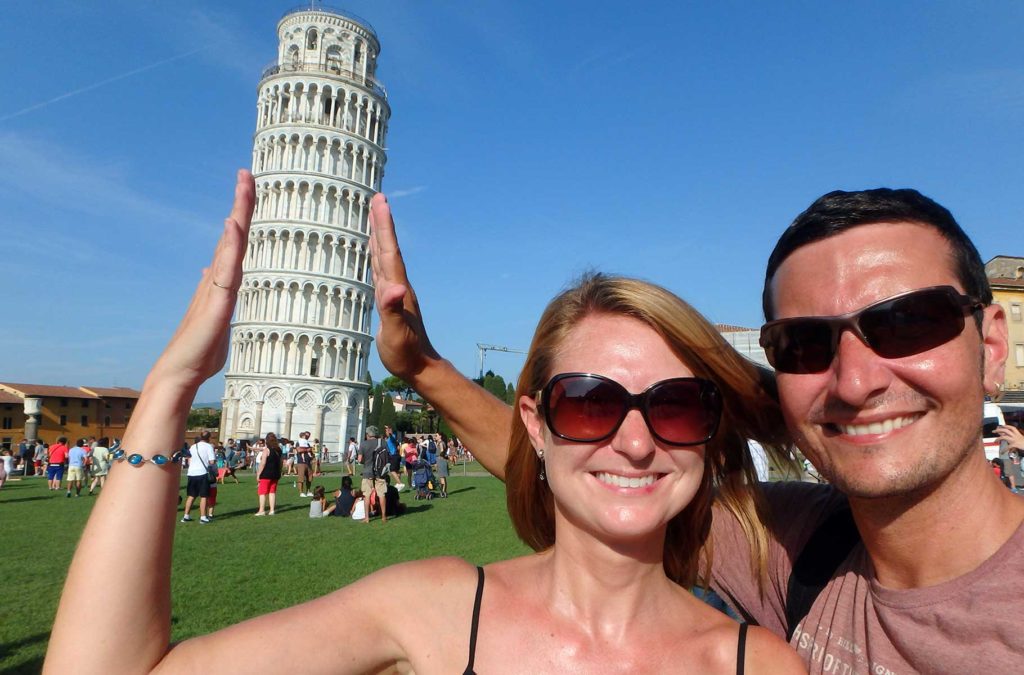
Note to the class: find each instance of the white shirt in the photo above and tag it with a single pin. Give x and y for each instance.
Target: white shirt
(303, 443)
(199, 453)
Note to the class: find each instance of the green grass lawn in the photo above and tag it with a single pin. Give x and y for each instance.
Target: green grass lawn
(236, 552)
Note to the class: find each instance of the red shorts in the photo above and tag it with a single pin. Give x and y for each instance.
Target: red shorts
(212, 499)
(266, 486)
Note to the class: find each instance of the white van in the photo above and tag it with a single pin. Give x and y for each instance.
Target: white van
(993, 417)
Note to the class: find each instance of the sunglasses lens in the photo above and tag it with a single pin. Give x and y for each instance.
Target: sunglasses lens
(912, 324)
(584, 409)
(800, 346)
(685, 411)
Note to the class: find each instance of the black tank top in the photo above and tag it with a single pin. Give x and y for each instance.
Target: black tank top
(271, 469)
(741, 647)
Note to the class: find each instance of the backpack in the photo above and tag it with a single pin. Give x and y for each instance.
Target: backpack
(381, 466)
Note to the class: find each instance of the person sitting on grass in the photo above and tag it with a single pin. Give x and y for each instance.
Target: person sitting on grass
(344, 500)
(318, 504)
(617, 443)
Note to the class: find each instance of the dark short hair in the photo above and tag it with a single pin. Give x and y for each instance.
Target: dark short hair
(840, 211)
(346, 482)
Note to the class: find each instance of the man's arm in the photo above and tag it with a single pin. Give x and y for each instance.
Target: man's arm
(482, 421)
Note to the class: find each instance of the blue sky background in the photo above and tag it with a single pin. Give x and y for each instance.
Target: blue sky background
(529, 141)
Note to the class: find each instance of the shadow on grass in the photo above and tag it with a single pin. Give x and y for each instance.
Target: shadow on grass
(463, 489)
(26, 499)
(34, 665)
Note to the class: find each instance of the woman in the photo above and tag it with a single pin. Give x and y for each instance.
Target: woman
(442, 467)
(100, 464)
(269, 475)
(602, 588)
(410, 453)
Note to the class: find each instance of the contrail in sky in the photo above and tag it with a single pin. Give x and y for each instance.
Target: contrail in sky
(101, 83)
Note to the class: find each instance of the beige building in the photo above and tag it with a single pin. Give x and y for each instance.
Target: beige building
(1006, 276)
(48, 412)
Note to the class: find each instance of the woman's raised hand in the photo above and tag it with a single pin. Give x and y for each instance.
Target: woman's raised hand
(200, 344)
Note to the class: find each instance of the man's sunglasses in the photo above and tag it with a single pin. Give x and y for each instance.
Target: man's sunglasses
(905, 324)
(588, 408)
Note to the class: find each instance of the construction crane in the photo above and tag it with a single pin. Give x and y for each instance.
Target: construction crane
(493, 348)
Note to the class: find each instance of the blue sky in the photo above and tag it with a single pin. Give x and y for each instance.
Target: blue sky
(529, 141)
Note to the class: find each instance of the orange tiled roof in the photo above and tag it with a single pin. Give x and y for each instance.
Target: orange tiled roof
(8, 397)
(113, 392)
(46, 390)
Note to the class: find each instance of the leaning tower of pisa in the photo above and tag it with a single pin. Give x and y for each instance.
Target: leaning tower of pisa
(301, 334)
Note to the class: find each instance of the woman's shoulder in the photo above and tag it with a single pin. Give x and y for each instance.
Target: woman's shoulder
(762, 651)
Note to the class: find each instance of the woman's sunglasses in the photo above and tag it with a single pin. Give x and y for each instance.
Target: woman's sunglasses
(588, 408)
(905, 324)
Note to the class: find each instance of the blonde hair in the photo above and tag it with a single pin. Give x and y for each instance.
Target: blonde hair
(750, 410)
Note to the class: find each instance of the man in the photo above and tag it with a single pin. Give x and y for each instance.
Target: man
(39, 457)
(303, 461)
(55, 464)
(883, 392)
(394, 457)
(25, 451)
(200, 456)
(373, 455)
(350, 456)
(78, 462)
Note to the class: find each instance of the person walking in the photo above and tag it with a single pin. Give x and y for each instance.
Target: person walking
(100, 464)
(201, 456)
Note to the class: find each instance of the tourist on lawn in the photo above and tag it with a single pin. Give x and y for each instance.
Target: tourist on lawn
(99, 464)
(200, 457)
(350, 456)
(77, 466)
(344, 500)
(270, 463)
(58, 455)
(373, 455)
(39, 458)
(25, 451)
(318, 505)
(302, 462)
(6, 465)
(410, 454)
(442, 468)
(603, 588)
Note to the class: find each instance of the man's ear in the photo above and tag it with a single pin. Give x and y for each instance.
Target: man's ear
(994, 348)
(532, 420)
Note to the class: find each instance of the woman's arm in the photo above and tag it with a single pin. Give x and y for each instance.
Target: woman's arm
(132, 524)
(478, 418)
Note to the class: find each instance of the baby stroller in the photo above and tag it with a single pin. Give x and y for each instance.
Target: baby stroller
(422, 480)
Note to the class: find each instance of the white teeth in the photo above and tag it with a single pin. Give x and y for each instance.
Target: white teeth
(625, 481)
(877, 427)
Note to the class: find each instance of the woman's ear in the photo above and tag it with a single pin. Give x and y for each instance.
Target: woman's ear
(531, 417)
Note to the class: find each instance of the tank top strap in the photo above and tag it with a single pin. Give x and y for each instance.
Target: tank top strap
(476, 620)
(741, 649)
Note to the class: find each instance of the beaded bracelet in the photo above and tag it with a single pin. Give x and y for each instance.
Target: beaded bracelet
(137, 460)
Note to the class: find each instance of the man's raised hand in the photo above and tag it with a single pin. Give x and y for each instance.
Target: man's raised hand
(402, 340)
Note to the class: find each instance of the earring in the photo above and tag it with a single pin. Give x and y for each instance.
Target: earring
(540, 456)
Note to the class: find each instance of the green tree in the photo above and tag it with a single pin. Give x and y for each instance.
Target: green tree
(404, 422)
(510, 394)
(396, 385)
(387, 414)
(373, 419)
(203, 418)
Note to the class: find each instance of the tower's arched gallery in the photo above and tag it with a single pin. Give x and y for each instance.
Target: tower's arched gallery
(301, 335)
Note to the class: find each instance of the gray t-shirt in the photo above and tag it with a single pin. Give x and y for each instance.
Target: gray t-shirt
(366, 449)
(967, 625)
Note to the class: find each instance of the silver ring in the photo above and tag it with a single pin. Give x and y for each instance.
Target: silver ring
(214, 282)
